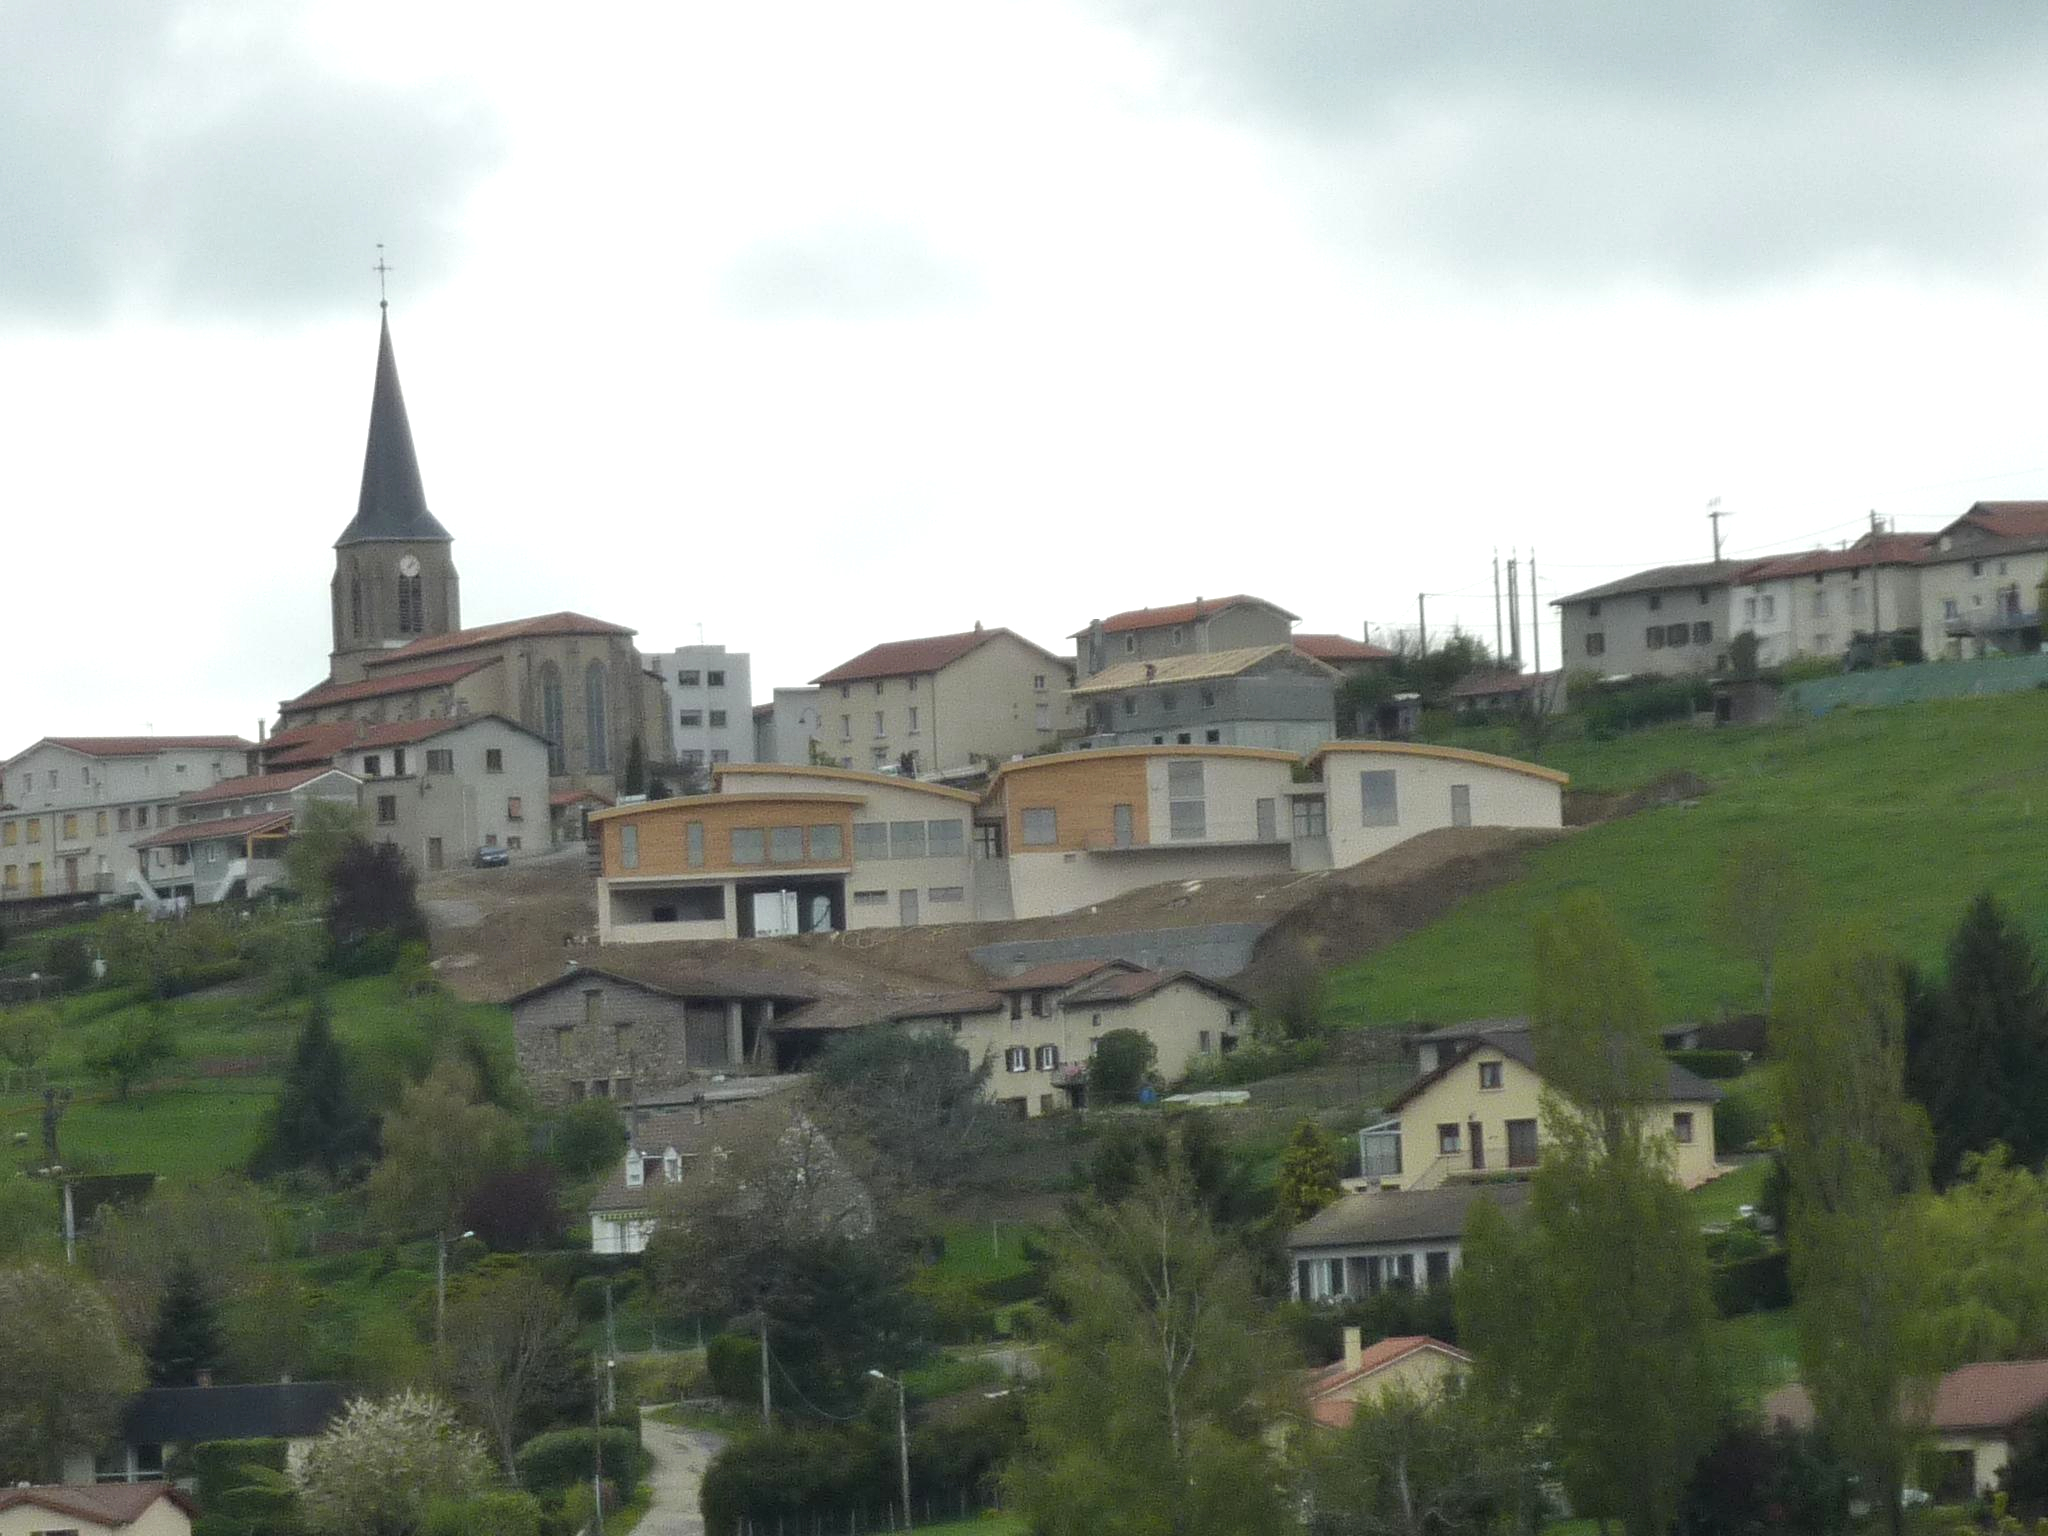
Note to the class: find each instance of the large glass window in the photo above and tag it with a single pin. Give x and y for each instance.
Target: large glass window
(629, 846)
(1041, 826)
(786, 845)
(906, 840)
(1378, 798)
(1187, 811)
(828, 845)
(1310, 817)
(948, 839)
(871, 839)
(693, 841)
(749, 845)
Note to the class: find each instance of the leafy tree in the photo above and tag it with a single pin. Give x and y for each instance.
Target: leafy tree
(372, 905)
(634, 780)
(1422, 1464)
(382, 1465)
(320, 837)
(1762, 898)
(2024, 1479)
(69, 959)
(1977, 1047)
(515, 1208)
(1596, 1319)
(186, 1340)
(439, 1146)
(510, 1349)
(70, 1371)
(223, 1227)
(589, 1138)
(316, 1122)
(1295, 1000)
(1130, 1152)
(1120, 1066)
(1852, 1144)
(133, 1051)
(1981, 1255)
(267, 1327)
(914, 1097)
(1765, 1482)
(26, 1034)
(1160, 1388)
(1308, 1173)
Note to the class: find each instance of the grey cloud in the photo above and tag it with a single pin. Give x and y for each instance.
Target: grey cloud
(849, 270)
(193, 158)
(1588, 141)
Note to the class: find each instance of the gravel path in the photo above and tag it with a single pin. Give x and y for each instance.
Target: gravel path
(680, 1456)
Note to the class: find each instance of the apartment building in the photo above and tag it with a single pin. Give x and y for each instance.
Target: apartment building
(942, 702)
(1670, 620)
(790, 728)
(226, 842)
(711, 705)
(1258, 696)
(1180, 629)
(72, 808)
(1038, 1029)
(1816, 603)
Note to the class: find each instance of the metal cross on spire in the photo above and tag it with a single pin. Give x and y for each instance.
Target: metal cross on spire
(380, 269)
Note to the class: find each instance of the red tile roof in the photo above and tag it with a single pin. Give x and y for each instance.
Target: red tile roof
(903, 658)
(576, 797)
(2010, 519)
(381, 687)
(496, 634)
(1180, 613)
(1337, 1412)
(1128, 986)
(307, 745)
(1887, 549)
(1336, 648)
(253, 784)
(210, 831)
(1993, 1395)
(145, 746)
(113, 1504)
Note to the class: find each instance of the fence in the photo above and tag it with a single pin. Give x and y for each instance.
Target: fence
(1918, 684)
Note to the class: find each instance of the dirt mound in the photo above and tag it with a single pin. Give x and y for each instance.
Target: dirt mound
(1590, 807)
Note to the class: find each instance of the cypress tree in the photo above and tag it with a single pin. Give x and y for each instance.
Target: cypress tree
(186, 1338)
(317, 1122)
(634, 780)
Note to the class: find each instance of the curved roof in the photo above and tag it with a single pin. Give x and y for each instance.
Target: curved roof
(1047, 759)
(1451, 754)
(846, 775)
(702, 802)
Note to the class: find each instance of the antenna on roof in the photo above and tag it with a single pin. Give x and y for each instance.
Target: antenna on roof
(1714, 516)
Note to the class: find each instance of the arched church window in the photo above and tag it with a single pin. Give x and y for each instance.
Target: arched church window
(355, 603)
(594, 718)
(551, 714)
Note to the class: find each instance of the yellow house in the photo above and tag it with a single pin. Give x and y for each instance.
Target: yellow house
(86, 1509)
(1478, 1110)
(1415, 1364)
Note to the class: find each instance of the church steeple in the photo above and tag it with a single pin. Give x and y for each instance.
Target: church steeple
(394, 565)
(393, 502)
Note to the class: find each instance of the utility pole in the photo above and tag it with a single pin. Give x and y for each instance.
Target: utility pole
(1535, 615)
(767, 1406)
(1514, 614)
(1714, 516)
(1876, 589)
(1498, 652)
(597, 1462)
(902, 1436)
(1421, 624)
(611, 1356)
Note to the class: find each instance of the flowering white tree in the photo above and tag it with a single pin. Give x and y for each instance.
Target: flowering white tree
(382, 1463)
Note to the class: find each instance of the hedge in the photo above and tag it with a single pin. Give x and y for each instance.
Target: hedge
(1719, 1064)
(225, 1490)
(562, 1458)
(488, 1514)
(1760, 1284)
(733, 1362)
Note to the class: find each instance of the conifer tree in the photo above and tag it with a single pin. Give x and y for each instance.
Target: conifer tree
(1308, 1173)
(186, 1340)
(634, 780)
(317, 1122)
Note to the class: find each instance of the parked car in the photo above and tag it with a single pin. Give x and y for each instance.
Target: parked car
(493, 857)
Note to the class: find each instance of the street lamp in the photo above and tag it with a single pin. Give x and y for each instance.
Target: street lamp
(902, 1437)
(441, 1278)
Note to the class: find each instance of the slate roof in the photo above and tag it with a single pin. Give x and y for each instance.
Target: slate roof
(324, 694)
(253, 784)
(392, 503)
(903, 658)
(1403, 1216)
(1340, 648)
(138, 746)
(681, 990)
(212, 831)
(1511, 1038)
(285, 1410)
(1662, 578)
(938, 1004)
(563, 623)
(109, 1504)
(1990, 1395)
(1182, 613)
(1199, 666)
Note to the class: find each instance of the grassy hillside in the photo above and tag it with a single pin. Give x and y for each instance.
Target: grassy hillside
(1900, 815)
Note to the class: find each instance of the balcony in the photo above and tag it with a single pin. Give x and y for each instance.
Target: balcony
(2002, 620)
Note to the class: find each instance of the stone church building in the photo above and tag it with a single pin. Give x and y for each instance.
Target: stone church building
(400, 651)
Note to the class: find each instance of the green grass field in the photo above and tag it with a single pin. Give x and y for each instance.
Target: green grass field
(1900, 816)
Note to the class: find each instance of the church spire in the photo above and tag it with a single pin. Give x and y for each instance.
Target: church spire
(393, 503)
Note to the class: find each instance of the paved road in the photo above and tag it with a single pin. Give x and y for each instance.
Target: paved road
(680, 1456)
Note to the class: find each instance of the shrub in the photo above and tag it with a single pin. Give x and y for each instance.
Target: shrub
(1122, 1061)
(1759, 1284)
(1254, 1063)
(647, 1380)
(588, 1138)
(1738, 1122)
(488, 1514)
(1714, 1064)
(798, 1476)
(733, 1362)
(562, 1458)
(587, 1294)
(69, 959)
(1610, 710)
(230, 1493)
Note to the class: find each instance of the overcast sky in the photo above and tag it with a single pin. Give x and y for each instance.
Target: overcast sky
(819, 325)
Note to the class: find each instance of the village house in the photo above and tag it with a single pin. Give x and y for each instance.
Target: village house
(1365, 797)
(1980, 580)
(1180, 629)
(228, 840)
(88, 1509)
(162, 1421)
(594, 1034)
(1516, 693)
(1039, 1028)
(1384, 1239)
(937, 705)
(1256, 696)
(1817, 603)
(72, 808)
(1671, 620)
(1350, 657)
(1479, 1109)
(1976, 1417)
(1413, 1364)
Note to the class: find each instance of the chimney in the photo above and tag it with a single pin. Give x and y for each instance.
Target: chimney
(977, 626)
(1354, 1349)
